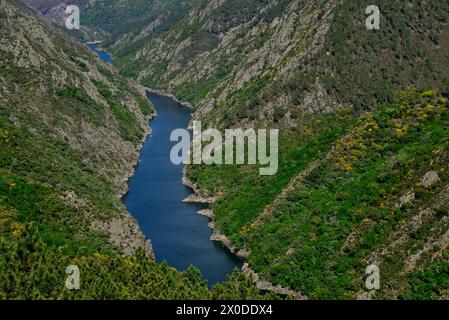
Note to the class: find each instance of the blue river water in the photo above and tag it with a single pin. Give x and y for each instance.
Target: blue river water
(179, 235)
(101, 54)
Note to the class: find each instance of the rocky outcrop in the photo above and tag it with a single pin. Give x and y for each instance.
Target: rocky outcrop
(429, 179)
(208, 213)
(405, 199)
(198, 199)
(267, 286)
(124, 234)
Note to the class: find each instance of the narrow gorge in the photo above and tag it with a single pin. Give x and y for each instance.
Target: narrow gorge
(159, 200)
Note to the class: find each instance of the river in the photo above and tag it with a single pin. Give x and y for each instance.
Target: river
(179, 235)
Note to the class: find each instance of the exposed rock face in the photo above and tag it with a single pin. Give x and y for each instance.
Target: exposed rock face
(124, 234)
(429, 179)
(289, 39)
(206, 213)
(199, 199)
(405, 199)
(36, 50)
(265, 285)
(368, 295)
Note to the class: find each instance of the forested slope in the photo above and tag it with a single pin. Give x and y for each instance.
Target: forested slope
(349, 193)
(112, 20)
(265, 61)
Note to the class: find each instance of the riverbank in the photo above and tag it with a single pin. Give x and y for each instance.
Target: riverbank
(124, 232)
(197, 197)
(147, 134)
(171, 96)
(94, 42)
(218, 236)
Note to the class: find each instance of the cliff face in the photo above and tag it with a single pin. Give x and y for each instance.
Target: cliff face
(224, 47)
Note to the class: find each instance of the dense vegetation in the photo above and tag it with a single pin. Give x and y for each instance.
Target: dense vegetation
(408, 49)
(319, 238)
(130, 19)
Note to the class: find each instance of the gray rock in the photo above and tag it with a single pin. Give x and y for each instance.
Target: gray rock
(406, 198)
(429, 179)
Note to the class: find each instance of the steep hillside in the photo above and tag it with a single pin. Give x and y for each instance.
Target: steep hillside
(356, 145)
(378, 196)
(70, 131)
(109, 21)
(240, 61)
(54, 11)
(134, 20)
